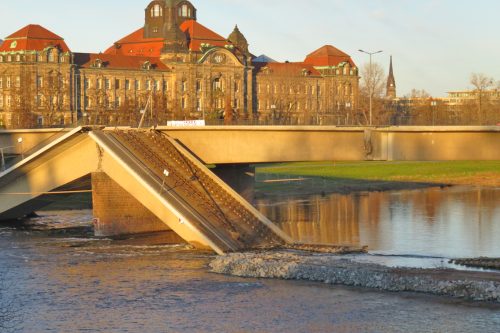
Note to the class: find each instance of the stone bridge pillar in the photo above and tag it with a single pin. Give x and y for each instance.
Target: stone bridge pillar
(241, 178)
(117, 213)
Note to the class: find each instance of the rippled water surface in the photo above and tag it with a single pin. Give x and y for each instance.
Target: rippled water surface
(61, 279)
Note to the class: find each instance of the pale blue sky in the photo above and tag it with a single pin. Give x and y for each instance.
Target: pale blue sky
(436, 44)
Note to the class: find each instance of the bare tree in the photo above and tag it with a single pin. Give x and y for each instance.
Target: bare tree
(416, 93)
(481, 82)
(373, 79)
(372, 83)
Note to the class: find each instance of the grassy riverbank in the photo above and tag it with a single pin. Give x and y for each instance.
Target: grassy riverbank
(367, 176)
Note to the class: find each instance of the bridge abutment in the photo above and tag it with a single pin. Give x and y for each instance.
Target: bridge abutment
(240, 177)
(118, 213)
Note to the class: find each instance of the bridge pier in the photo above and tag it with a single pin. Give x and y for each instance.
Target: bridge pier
(240, 177)
(118, 213)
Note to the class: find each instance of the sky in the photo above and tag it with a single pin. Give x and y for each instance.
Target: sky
(436, 44)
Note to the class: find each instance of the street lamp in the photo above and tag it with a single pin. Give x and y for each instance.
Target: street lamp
(20, 142)
(370, 82)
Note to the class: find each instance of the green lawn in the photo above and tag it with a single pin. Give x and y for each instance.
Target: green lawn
(473, 172)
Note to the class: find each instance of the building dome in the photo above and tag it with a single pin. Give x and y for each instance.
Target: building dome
(238, 40)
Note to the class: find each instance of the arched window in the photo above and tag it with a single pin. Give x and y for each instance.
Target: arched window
(51, 56)
(185, 11)
(156, 11)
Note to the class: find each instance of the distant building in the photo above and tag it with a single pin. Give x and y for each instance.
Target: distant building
(465, 97)
(175, 65)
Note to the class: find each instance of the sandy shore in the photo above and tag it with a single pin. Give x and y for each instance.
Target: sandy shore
(337, 270)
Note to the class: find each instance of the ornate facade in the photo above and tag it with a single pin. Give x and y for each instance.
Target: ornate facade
(175, 68)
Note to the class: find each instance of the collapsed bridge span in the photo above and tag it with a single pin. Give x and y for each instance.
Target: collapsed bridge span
(162, 176)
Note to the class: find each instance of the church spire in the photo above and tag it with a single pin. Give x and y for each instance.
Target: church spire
(391, 83)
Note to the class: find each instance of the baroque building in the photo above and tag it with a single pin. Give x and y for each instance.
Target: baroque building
(174, 67)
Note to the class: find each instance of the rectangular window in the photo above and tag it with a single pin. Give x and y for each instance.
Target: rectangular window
(118, 102)
(198, 104)
(9, 101)
(86, 83)
(137, 85)
(1, 83)
(99, 83)
(87, 102)
(8, 84)
(127, 84)
(39, 81)
(148, 84)
(117, 84)
(18, 81)
(1, 101)
(107, 82)
(198, 85)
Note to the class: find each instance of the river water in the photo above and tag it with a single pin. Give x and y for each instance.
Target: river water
(60, 278)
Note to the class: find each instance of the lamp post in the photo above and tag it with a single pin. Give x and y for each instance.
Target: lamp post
(20, 142)
(371, 82)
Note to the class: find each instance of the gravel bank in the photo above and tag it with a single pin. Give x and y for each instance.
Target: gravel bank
(332, 269)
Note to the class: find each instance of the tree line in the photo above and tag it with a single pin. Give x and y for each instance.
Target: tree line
(479, 105)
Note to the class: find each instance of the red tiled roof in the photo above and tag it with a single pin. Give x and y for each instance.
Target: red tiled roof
(136, 45)
(288, 68)
(87, 60)
(328, 56)
(33, 37)
(198, 34)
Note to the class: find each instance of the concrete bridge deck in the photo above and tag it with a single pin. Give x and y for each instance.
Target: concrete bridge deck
(190, 200)
(268, 144)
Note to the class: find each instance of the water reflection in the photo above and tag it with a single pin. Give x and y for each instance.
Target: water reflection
(449, 222)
